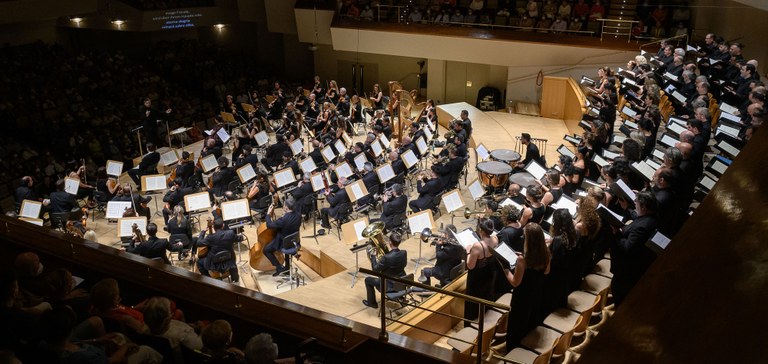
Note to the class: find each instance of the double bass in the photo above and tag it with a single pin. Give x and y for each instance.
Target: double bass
(265, 236)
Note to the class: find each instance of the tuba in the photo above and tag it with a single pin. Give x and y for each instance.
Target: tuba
(376, 245)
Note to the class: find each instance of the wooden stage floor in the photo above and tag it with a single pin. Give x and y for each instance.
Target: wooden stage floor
(335, 294)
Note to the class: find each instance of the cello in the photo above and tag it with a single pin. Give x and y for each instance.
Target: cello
(265, 236)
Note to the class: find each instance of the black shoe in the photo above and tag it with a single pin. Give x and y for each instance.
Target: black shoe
(278, 271)
(325, 226)
(371, 305)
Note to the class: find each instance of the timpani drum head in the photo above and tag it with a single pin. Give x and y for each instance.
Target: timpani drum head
(493, 173)
(505, 155)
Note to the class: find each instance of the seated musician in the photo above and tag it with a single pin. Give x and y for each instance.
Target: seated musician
(24, 192)
(416, 132)
(289, 162)
(386, 128)
(140, 202)
(286, 225)
(513, 193)
(107, 186)
(276, 106)
(406, 144)
(312, 108)
(390, 264)
(301, 102)
(84, 190)
(61, 201)
(152, 247)
(221, 177)
(185, 168)
(355, 110)
(398, 166)
(512, 232)
(531, 151)
(428, 189)
(259, 189)
(393, 205)
(174, 197)
(448, 254)
(180, 225)
(460, 147)
(221, 252)
(302, 191)
(317, 153)
(336, 200)
(147, 166)
(275, 154)
(247, 157)
(371, 182)
(449, 171)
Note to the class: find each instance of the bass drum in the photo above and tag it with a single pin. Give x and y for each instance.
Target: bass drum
(493, 174)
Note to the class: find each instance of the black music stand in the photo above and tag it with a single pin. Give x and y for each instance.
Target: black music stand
(357, 248)
(315, 233)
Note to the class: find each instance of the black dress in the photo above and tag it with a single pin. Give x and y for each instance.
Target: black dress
(538, 214)
(480, 283)
(563, 266)
(526, 298)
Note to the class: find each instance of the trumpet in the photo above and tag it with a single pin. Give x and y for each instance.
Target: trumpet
(468, 213)
(427, 234)
(387, 192)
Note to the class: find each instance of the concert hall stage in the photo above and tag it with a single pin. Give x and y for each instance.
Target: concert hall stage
(326, 263)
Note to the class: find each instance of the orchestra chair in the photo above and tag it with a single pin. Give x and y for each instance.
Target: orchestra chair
(465, 341)
(291, 247)
(399, 294)
(540, 339)
(222, 255)
(308, 206)
(342, 217)
(436, 204)
(101, 199)
(262, 205)
(366, 209)
(580, 304)
(59, 220)
(183, 239)
(194, 182)
(400, 221)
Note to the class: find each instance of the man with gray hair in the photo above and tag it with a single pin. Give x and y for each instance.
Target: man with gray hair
(260, 349)
(394, 204)
(285, 226)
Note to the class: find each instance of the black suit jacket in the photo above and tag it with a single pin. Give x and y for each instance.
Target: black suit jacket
(532, 154)
(63, 202)
(447, 256)
(251, 159)
(286, 225)
(219, 241)
(394, 206)
(449, 172)
(149, 160)
(299, 193)
(221, 180)
(630, 257)
(24, 193)
(151, 248)
(431, 188)
(391, 264)
(174, 198)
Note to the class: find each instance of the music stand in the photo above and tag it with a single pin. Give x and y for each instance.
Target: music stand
(352, 234)
(153, 185)
(417, 222)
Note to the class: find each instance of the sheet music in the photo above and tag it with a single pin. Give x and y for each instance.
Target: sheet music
(317, 182)
(707, 182)
(421, 145)
(610, 215)
(209, 163)
(71, 186)
(307, 165)
(453, 201)
(328, 153)
(565, 202)
(360, 160)
(340, 146)
(343, 170)
(508, 201)
(628, 191)
(668, 140)
(678, 96)
(197, 201)
(670, 76)
(660, 240)
(155, 182)
(572, 139)
(38, 222)
(728, 130)
(384, 140)
(114, 168)
(507, 253)
(357, 190)
(586, 183)
(476, 189)
(630, 124)
(653, 164)
(658, 153)
(428, 133)
(169, 157)
(719, 166)
(125, 226)
(385, 172)
(236, 209)
(727, 116)
(223, 135)
(466, 238)
(676, 128)
(628, 111)
(115, 209)
(246, 173)
(284, 177)
(421, 220)
(600, 161)
(30, 209)
(297, 146)
(728, 148)
(376, 148)
(728, 108)
(359, 227)
(409, 158)
(536, 170)
(482, 152)
(262, 138)
(644, 169)
(619, 138)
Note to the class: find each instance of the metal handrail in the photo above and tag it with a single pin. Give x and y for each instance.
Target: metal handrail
(665, 39)
(384, 335)
(629, 35)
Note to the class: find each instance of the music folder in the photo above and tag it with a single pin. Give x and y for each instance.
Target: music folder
(409, 158)
(565, 202)
(307, 164)
(466, 238)
(318, 183)
(197, 201)
(222, 133)
(328, 153)
(536, 169)
(421, 145)
(573, 139)
(610, 155)
(71, 185)
(643, 170)
(297, 146)
(154, 182)
(385, 172)
(599, 161)
(246, 173)
(707, 183)
(658, 242)
(563, 150)
(482, 152)
(169, 157)
(668, 140)
(476, 189)
(621, 188)
(718, 165)
(30, 209)
(209, 163)
(262, 138)
(507, 256)
(343, 170)
(284, 177)
(610, 216)
(418, 221)
(728, 108)
(115, 209)
(125, 226)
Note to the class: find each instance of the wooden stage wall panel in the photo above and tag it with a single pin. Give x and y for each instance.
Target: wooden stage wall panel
(562, 98)
(573, 107)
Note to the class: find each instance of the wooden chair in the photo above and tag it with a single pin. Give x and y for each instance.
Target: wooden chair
(576, 315)
(539, 339)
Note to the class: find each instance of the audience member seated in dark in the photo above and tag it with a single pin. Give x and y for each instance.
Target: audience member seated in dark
(157, 316)
(59, 326)
(63, 292)
(106, 303)
(217, 341)
(33, 287)
(17, 323)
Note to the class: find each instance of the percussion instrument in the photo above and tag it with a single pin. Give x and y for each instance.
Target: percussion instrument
(493, 173)
(507, 156)
(523, 178)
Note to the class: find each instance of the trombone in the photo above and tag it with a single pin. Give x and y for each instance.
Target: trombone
(468, 213)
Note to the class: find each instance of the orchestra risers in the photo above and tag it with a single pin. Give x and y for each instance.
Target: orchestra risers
(319, 261)
(433, 321)
(484, 129)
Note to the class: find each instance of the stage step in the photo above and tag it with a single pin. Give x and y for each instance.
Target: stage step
(527, 108)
